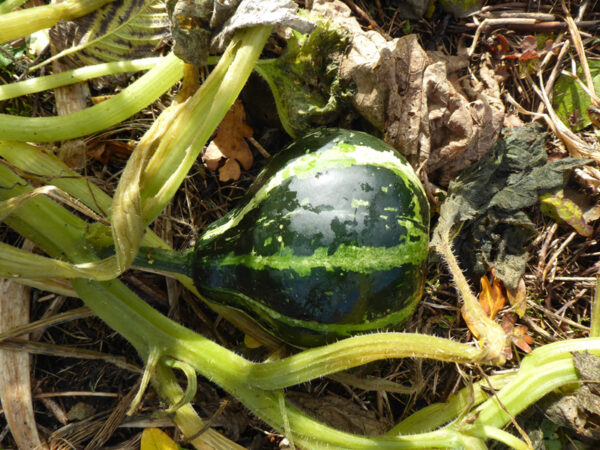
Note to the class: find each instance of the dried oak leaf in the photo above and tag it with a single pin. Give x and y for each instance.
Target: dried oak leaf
(229, 142)
(230, 171)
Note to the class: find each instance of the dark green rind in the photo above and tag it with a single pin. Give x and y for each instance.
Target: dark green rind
(331, 240)
(163, 260)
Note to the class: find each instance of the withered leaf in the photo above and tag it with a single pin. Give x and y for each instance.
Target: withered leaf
(566, 206)
(517, 333)
(230, 143)
(491, 297)
(484, 205)
(189, 29)
(230, 171)
(304, 80)
(212, 156)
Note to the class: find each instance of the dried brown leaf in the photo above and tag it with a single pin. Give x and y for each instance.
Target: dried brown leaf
(230, 171)
(212, 157)
(416, 99)
(230, 143)
(517, 333)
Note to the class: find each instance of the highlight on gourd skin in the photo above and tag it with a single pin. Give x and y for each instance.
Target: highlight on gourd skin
(331, 240)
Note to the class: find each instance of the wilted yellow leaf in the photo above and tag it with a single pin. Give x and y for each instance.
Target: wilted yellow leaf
(250, 342)
(155, 439)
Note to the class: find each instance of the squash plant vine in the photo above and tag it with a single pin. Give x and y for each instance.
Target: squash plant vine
(153, 174)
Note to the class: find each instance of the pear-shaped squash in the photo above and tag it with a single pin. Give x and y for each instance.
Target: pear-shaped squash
(331, 240)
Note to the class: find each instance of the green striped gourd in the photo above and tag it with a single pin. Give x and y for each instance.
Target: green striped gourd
(331, 240)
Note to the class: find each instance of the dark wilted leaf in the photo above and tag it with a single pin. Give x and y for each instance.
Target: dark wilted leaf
(484, 205)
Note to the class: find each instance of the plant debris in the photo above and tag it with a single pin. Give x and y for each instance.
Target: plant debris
(416, 100)
(516, 333)
(485, 203)
(229, 143)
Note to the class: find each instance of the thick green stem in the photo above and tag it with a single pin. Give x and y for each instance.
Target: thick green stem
(119, 308)
(356, 351)
(544, 370)
(185, 139)
(23, 22)
(68, 77)
(132, 99)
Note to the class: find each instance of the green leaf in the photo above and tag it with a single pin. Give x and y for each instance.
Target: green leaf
(305, 81)
(10, 53)
(561, 207)
(570, 101)
(484, 205)
(121, 30)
